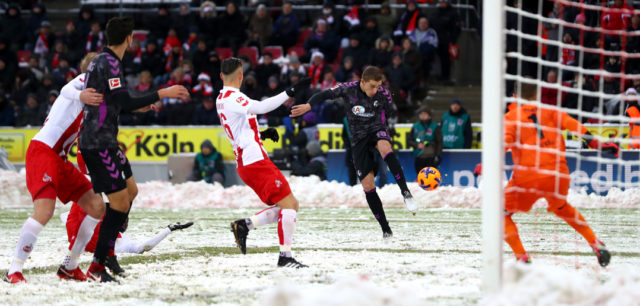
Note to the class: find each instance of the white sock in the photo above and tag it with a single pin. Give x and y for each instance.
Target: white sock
(28, 237)
(266, 216)
(85, 232)
(151, 243)
(286, 227)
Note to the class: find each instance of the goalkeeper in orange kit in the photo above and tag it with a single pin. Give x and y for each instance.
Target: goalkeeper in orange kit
(533, 132)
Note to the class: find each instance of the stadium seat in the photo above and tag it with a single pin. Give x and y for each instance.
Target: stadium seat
(224, 53)
(298, 50)
(251, 52)
(23, 58)
(304, 34)
(276, 51)
(140, 35)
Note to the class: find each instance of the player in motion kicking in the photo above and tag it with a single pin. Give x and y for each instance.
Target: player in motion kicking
(238, 117)
(51, 175)
(366, 105)
(534, 135)
(124, 244)
(107, 164)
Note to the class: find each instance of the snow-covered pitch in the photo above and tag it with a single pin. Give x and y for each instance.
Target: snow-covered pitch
(434, 258)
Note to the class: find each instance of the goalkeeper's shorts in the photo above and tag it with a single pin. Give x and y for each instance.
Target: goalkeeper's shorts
(526, 187)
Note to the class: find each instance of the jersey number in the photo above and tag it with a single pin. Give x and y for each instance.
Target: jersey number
(227, 129)
(534, 118)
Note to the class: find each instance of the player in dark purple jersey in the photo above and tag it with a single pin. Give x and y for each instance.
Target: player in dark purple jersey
(367, 104)
(107, 164)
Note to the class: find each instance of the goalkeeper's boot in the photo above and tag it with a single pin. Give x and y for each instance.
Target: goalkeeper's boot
(179, 226)
(602, 253)
(411, 205)
(240, 232)
(289, 262)
(525, 259)
(14, 278)
(99, 274)
(75, 274)
(114, 266)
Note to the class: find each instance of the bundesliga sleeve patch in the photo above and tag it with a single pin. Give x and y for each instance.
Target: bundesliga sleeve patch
(114, 83)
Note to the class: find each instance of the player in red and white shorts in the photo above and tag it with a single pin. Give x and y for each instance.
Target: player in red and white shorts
(238, 117)
(51, 175)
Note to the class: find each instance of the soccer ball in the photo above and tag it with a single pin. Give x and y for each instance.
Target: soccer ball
(429, 178)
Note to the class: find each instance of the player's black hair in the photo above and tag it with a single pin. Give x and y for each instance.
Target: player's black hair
(118, 28)
(230, 65)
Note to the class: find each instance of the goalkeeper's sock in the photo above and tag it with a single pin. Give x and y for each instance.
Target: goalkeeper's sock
(264, 217)
(28, 236)
(375, 204)
(577, 221)
(396, 170)
(512, 238)
(85, 232)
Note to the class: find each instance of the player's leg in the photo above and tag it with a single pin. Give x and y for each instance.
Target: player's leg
(384, 147)
(286, 227)
(375, 204)
(515, 200)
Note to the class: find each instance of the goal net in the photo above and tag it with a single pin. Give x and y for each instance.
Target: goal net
(582, 58)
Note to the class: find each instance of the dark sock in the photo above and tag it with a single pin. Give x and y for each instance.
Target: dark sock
(376, 208)
(111, 224)
(398, 174)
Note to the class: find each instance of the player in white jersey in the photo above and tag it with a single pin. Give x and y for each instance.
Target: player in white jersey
(238, 117)
(51, 175)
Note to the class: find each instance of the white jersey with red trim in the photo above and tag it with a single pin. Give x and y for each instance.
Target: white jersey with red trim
(240, 126)
(63, 123)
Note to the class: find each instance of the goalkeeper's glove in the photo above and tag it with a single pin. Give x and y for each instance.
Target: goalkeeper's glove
(478, 170)
(298, 86)
(270, 133)
(179, 226)
(606, 147)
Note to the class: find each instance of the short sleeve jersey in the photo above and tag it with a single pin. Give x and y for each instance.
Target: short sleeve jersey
(365, 115)
(100, 128)
(534, 135)
(240, 125)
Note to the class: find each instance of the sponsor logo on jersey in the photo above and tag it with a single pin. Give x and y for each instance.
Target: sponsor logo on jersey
(359, 110)
(46, 178)
(114, 83)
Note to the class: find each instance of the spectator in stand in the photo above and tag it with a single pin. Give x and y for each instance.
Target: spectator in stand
(286, 28)
(187, 68)
(153, 60)
(175, 56)
(456, 127)
(266, 69)
(426, 40)
(206, 113)
(633, 43)
(203, 88)
(549, 95)
(294, 66)
(273, 86)
(31, 113)
(183, 22)
(261, 25)
(201, 57)
(144, 87)
(72, 39)
(208, 165)
(7, 111)
(46, 108)
(426, 139)
(568, 56)
(251, 88)
(8, 64)
(369, 34)
(246, 63)
(357, 52)
(412, 57)
(612, 84)
(400, 76)
(447, 24)
(132, 62)
(35, 68)
(190, 45)
(44, 40)
(560, 13)
(408, 21)
(323, 41)
(307, 130)
(616, 17)
(95, 38)
(24, 83)
(12, 25)
(60, 74)
(45, 87)
(636, 82)
(84, 21)
(328, 80)
(235, 28)
(178, 112)
(335, 22)
(213, 68)
(208, 23)
(346, 70)
(316, 70)
(34, 23)
(386, 20)
(315, 163)
(381, 55)
(159, 23)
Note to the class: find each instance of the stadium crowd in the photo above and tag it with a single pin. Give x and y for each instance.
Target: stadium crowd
(184, 45)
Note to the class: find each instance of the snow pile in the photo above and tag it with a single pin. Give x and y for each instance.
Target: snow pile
(351, 291)
(311, 192)
(540, 284)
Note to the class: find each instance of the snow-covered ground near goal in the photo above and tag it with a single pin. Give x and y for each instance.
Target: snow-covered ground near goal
(434, 258)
